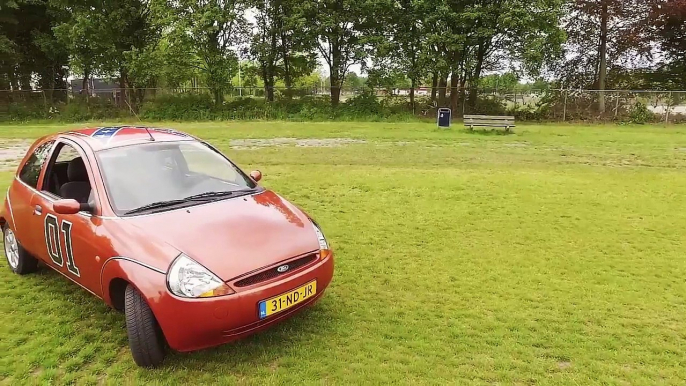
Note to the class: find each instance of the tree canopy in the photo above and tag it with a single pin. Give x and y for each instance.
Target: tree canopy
(456, 47)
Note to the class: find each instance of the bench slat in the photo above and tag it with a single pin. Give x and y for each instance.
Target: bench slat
(489, 121)
(491, 125)
(491, 117)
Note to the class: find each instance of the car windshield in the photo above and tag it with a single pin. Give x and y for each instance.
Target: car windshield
(149, 174)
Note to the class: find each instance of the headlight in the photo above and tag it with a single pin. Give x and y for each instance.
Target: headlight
(324, 250)
(189, 279)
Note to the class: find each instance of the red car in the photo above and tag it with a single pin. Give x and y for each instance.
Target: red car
(162, 226)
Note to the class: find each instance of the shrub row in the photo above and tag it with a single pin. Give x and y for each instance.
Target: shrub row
(200, 107)
(363, 107)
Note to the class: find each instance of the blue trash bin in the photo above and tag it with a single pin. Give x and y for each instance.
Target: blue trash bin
(444, 117)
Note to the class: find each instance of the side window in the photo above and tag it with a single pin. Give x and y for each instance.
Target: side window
(31, 170)
(66, 154)
(66, 175)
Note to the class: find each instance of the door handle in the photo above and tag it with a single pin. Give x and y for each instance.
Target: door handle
(38, 210)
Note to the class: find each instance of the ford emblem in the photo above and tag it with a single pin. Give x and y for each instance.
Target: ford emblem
(283, 268)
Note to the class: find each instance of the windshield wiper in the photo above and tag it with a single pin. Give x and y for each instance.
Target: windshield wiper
(206, 195)
(155, 205)
(195, 197)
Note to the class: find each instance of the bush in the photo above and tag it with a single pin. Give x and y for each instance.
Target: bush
(25, 112)
(361, 105)
(180, 107)
(640, 114)
(489, 106)
(195, 107)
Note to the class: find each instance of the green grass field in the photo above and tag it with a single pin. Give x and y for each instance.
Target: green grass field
(551, 256)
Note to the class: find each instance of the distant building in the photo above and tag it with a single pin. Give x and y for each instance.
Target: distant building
(97, 87)
(421, 91)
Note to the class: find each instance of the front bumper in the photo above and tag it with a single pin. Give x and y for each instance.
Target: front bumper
(194, 324)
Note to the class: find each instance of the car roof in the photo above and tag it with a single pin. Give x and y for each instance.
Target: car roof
(100, 138)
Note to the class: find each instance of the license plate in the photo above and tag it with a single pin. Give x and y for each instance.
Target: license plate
(287, 300)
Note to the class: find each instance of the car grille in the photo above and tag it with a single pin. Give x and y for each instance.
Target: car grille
(274, 272)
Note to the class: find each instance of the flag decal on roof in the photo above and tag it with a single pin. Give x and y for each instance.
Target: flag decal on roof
(105, 132)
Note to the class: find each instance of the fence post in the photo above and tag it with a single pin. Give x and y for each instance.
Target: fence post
(617, 105)
(669, 106)
(564, 109)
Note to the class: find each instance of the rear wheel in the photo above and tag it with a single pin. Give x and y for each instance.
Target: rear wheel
(145, 335)
(20, 261)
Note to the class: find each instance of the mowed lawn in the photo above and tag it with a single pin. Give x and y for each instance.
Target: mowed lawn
(555, 255)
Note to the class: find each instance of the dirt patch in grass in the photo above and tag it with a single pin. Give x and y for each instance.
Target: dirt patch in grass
(11, 152)
(247, 144)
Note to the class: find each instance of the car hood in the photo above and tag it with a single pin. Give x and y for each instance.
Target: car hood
(234, 236)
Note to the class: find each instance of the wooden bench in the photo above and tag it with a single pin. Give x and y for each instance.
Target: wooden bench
(473, 121)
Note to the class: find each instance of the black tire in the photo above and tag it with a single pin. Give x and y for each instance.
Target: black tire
(145, 335)
(25, 262)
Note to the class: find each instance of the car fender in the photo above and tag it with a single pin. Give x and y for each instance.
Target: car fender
(149, 281)
(6, 215)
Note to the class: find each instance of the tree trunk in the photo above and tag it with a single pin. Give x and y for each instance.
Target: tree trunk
(25, 81)
(269, 84)
(336, 76)
(414, 84)
(14, 85)
(463, 91)
(271, 64)
(434, 85)
(218, 97)
(268, 77)
(122, 88)
(4, 81)
(85, 87)
(335, 89)
(287, 79)
(442, 85)
(476, 77)
(603, 59)
(454, 93)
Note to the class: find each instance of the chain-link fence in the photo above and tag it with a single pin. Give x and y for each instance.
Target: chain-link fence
(525, 104)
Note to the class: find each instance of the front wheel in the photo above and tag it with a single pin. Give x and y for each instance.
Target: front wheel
(145, 335)
(21, 262)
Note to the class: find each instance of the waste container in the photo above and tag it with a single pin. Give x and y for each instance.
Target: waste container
(444, 117)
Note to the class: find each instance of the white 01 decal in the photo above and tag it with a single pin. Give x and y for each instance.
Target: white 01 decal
(52, 240)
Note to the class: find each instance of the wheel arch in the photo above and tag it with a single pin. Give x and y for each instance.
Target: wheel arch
(119, 272)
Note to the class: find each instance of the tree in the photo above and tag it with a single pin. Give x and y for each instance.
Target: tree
(28, 48)
(203, 35)
(111, 38)
(603, 34)
(476, 36)
(265, 47)
(335, 26)
(399, 40)
(7, 45)
(668, 22)
(354, 81)
(133, 49)
(505, 82)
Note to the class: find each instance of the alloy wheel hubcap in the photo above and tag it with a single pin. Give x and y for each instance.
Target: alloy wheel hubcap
(11, 249)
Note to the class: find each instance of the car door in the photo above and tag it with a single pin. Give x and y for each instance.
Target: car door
(69, 242)
(21, 193)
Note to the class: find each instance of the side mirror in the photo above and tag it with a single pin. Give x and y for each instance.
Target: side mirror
(256, 175)
(66, 206)
(70, 206)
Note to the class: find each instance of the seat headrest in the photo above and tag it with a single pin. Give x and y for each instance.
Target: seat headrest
(76, 170)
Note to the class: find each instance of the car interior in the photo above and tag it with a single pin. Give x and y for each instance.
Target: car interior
(67, 177)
